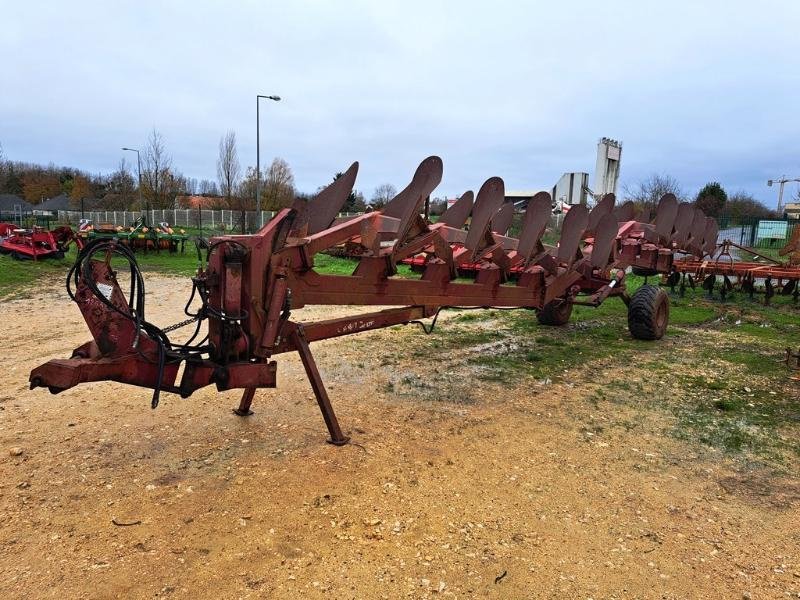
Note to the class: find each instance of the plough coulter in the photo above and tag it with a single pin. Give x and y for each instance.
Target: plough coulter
(250, 285)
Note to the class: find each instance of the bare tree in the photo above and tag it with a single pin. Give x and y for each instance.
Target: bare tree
(120, 187)
(647, 192)
(742, 206)
(192, 186)
(277, 190)
(156, 171)
(208, 188)
(382, 194)
(3, 169)
(229, 173)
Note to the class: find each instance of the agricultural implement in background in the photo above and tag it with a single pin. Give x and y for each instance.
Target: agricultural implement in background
(250, 284)
(138, 236)
(36, 243)
(6, 229)
(762, 275)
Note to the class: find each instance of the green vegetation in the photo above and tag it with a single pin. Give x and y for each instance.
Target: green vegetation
(15, 275)
(717, 377)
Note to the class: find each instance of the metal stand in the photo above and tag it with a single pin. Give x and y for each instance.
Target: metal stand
(245, 402)
(299, 338)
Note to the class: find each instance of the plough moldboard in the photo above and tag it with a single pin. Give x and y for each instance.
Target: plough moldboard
(250, 284)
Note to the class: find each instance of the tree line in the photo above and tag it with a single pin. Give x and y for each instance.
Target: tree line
(711, 198)
(164, 186)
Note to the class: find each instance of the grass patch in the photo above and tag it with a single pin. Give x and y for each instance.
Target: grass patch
(16, 275)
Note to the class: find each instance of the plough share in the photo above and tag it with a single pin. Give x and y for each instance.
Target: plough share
(250, 284)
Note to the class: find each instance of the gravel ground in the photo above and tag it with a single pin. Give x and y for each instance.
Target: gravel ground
(526, 492)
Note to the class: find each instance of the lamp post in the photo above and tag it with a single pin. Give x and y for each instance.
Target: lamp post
(139, 168)
(258, 150)
(782, 181)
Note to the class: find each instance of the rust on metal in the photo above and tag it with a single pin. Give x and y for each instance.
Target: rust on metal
(501, 221)
(250, 286)
(456, 215)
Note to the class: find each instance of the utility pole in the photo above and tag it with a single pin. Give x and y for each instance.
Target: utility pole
(782, 181)
(258, 150)
(139, 167)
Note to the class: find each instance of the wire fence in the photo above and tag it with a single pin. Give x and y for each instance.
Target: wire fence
(757, 233)
(202, 220)
(750, 232)
(210, 220)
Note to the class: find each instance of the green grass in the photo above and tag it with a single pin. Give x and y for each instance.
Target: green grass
(16, 275)
(718, 373)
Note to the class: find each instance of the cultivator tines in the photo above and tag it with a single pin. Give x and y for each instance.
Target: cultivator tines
(251, 285)
(721, 273)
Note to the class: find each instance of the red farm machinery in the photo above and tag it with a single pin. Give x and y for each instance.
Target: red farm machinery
(250, 285)
(36, 243)
(724, 270)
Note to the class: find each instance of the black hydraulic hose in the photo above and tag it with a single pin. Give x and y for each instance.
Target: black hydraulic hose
(167, 350)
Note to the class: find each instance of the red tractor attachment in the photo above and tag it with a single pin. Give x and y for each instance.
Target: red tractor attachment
(36, 243)
(727, 273)
(251, 284)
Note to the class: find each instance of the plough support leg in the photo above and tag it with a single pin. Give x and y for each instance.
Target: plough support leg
(337, 437)
(244, 404)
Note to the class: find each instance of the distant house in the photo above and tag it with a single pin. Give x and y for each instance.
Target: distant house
(64, 202)
(11, 202)
(570, 189)
(204, 202)
(60, 202)
(791, 210)
(520, 198)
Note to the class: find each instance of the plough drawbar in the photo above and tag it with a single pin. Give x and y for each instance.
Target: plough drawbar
(249, 285)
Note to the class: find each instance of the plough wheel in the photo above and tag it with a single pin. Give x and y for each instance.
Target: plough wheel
(648, 313)
(555, 312)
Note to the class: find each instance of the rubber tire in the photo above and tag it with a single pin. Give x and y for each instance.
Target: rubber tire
(555, 313)
(648, 313)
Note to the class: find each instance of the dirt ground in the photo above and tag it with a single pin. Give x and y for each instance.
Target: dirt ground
(526, 492)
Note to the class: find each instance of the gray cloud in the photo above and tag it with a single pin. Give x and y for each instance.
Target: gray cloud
(522, 90)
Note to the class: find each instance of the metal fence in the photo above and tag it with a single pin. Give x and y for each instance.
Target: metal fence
(218, 220)
(757, 233)
(209, 220)
(754, 233)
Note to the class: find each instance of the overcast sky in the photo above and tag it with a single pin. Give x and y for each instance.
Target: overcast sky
(699, 90)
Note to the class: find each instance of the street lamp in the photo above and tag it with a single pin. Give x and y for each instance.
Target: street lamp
(258, 150)
(782, 181)
(139, 166)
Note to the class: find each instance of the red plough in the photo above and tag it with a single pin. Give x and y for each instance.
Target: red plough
(251, 284)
